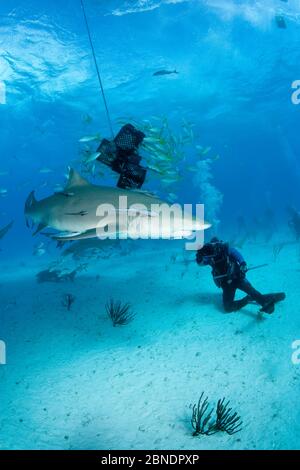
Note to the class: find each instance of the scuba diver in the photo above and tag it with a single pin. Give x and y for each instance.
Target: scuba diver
(229, 273)
(121, 155)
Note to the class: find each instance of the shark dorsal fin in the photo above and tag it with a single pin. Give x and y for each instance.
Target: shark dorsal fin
(75, 180)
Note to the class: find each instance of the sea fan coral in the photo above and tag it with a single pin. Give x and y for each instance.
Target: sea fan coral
(201, 417)
(120, 314)
(226, 420)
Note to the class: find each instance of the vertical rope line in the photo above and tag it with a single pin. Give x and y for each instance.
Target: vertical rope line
(97, 69)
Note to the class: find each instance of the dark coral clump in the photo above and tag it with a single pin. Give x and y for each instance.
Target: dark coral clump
(120, 314)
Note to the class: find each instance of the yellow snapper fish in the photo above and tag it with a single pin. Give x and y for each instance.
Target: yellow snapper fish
(90, 138)
(192, 168)
(39, 250)
(92, 157)
(172, 197)
(46, 170)
(154, 168)
(206, 150)
(87, 118)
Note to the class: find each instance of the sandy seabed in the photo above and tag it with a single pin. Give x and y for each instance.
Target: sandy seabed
(73, 381)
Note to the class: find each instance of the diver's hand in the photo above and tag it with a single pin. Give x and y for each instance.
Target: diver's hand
(243, 268)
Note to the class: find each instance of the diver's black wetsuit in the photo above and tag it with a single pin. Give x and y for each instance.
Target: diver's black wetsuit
(229, 273)
(229, 290)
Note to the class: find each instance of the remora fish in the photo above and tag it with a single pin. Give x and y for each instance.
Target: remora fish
(164, 72)
(83, 248)
(56, 212)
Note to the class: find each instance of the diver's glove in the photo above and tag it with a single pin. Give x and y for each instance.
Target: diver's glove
(243, 269)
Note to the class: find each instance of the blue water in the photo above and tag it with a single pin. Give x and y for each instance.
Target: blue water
(234, 83)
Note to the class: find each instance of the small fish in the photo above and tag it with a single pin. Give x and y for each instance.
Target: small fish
(58, 188)
(154, 130)
(172, 197)
(192, 168)
(92, 157)
(155, 168)
(90, 138)
(4, 173)
(81, 213)
(39, 250)
(168, 181)
(206, 150)
(87, 118)
(164, 72)
(174, 173)
(45, 170)
(164, 155)
(3, 191)
(151, 140)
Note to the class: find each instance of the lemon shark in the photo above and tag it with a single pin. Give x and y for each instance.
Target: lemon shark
(84, 210)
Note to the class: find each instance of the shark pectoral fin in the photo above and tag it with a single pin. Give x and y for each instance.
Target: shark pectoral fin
(39, 228)
(64, 236)
(68, 236)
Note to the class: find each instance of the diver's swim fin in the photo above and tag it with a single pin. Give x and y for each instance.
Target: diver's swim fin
(271, 300)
